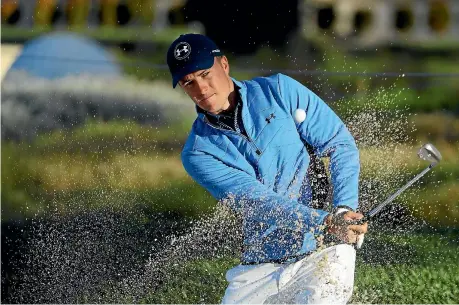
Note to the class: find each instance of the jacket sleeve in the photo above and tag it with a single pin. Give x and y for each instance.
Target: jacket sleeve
(325, 131)
(247, 196)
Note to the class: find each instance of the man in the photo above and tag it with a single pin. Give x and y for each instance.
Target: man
(247, 150)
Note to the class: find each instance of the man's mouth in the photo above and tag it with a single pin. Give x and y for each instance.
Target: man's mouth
(206, 98)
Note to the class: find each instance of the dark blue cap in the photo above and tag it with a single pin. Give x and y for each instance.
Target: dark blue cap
(190, 53)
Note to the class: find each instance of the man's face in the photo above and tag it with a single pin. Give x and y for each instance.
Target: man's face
(210, 88)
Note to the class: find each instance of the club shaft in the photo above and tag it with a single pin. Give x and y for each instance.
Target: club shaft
(401, 190)
(376, 210)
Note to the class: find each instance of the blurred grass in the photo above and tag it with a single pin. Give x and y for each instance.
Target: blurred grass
(106, 138)
(438, 205)
(125, 163)
(436, 99)
(99, 163)
(380, 163)
(435, 126)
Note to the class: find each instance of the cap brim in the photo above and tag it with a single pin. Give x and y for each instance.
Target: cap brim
(190, 68)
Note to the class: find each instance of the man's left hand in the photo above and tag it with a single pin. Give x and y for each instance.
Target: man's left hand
(339, 226)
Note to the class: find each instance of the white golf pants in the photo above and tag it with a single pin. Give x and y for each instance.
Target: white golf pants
(326, 276)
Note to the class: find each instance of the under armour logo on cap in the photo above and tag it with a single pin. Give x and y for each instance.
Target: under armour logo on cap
(182, 50)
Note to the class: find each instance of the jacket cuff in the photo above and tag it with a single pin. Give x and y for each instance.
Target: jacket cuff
(320, 219)
(314, 232)
(341, 208)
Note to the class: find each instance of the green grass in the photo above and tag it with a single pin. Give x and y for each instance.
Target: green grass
(427, 271)
(197, 282)
(397, 269)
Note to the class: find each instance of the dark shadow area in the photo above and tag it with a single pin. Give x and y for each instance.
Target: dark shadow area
(403, 20)
(57, 15)
(241, 27)
(14, 17)
(362, 21)
(123, 14)
(325, 17)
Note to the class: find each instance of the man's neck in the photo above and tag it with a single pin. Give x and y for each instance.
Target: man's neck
(232, 97)
(233, 100)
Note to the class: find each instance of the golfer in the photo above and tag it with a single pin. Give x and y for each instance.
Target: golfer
(249, 152)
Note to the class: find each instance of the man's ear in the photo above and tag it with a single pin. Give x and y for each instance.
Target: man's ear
(225, 64)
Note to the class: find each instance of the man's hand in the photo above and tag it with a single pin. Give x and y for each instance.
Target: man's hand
(339, 226)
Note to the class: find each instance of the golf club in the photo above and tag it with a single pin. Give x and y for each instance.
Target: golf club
(427, 152)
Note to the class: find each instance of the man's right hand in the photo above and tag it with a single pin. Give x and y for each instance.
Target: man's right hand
(339, 226)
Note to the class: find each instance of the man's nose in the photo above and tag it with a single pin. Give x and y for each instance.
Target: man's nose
(202, 87)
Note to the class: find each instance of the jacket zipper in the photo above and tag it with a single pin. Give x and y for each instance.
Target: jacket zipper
(254, 146)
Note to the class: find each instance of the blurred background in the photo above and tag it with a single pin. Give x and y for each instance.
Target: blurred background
(92, 186)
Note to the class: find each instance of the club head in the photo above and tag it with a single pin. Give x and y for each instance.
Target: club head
(428, 152)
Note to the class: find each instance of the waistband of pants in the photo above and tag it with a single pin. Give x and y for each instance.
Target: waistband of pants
(286, 259)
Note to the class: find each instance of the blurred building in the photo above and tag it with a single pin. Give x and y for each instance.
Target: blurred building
(379, 22)
(61, 13)
(245, 24)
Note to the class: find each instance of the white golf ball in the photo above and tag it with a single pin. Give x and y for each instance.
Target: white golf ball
(299, 115)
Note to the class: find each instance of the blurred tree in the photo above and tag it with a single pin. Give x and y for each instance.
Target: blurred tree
(176, 14)
(44, 12)
(77, 12)
(108, 12)
(439, 17)
(143, 10)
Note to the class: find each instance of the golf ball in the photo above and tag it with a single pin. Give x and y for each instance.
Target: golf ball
(299, 115)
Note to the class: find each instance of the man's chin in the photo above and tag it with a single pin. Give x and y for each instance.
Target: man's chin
(214, 110)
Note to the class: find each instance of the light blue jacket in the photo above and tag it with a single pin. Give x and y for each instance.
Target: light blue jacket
(263, 177)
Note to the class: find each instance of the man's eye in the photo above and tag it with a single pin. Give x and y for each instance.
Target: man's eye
(205, 74)
(186, 84)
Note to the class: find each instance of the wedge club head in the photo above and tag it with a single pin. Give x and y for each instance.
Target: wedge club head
(428, 152)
